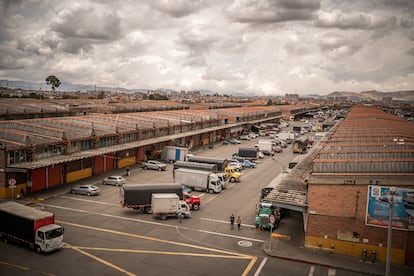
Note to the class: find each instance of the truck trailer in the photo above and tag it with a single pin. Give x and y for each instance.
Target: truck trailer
(221, 163)
(172, 154)
(198, 180)
(203, 167)
(138, 196)
(30, 226)
(249, 153)
(169, 205)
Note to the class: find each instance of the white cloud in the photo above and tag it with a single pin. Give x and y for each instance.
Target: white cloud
(263, 47)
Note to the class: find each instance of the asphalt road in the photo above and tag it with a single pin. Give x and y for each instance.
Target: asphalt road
(101, 238)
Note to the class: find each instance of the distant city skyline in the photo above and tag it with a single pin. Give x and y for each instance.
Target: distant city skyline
(263, 47)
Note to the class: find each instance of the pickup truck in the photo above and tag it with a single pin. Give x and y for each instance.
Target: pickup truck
(154, 165)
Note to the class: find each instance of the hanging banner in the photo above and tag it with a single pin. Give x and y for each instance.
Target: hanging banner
(378, 204)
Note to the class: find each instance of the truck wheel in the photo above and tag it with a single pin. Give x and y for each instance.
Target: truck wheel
(89, 194)
(163, 217)
(147, 210)
(38, 249)
(159, 169)
(232, 179)
(211, 191)
(196, 207)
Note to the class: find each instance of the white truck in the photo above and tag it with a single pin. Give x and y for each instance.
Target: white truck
(289, 137)
(265, 146)
(198, 180)
(169, 205)
(172, 154)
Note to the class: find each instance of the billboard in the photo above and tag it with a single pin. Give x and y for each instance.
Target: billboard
(378, 207)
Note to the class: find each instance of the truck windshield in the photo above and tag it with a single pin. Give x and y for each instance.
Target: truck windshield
(54, 233)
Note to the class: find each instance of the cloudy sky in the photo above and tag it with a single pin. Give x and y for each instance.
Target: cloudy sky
(265, 47)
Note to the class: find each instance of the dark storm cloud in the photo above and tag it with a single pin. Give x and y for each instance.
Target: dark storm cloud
(271, 11)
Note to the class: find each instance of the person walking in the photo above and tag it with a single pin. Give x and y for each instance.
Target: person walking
(238, 221)
(180, 213)
(128, 172)
(231, 221)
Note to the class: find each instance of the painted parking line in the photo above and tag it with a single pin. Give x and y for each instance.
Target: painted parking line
(88, 200)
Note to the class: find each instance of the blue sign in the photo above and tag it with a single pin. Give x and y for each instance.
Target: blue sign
(378, 204)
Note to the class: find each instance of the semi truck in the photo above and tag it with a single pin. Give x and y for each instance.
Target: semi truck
(300, 145)
(198, 180)
(267, 216)
(30, 226)
(249, 153)
(204, 167)
(172, 154)
(138, 196)
(169, 205)
(221, 163)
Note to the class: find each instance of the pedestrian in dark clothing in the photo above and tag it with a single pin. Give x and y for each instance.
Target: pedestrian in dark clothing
(128, 172)
(238, 221)
(231, 221)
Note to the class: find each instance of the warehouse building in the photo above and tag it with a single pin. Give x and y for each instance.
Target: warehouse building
(342, 187)
(38, 154)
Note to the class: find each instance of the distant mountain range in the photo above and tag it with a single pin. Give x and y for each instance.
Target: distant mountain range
(406, 96)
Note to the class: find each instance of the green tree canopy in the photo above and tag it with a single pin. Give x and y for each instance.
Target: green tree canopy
(54, 81)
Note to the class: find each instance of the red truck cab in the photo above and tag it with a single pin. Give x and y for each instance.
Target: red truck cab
(192, 200)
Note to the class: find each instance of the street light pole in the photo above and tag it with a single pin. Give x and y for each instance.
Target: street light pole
(389, 238)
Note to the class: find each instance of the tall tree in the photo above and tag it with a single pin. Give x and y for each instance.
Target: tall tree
(54, 81)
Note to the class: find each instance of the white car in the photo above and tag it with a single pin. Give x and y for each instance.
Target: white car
(236, 165)
(154, 165)
(116, 180)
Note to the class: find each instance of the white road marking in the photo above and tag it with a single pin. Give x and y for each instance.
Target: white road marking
(260, 267)
(311, 270)
(153, 223)
(88, 200)
(331, 272)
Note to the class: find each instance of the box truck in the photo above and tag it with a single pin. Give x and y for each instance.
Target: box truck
(289, 137)
(203, 167)
(172, 154)
(198, 180)
(221, 163)
(30, 226)
(169, 205)
(138, 196)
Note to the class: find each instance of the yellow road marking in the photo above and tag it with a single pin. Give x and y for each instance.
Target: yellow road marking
(158, 252)
(103, 261)
(153, 239)
(249, 267)
(26, 268)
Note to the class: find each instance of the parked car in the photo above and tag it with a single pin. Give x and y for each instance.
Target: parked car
(88, 189)
(244, 137)
(277, 149)
(116, 180)
(154, 165)
(234, 141)
(248, 164)
(236, 165)
(260, 155)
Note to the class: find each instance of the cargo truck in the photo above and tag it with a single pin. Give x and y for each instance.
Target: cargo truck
(300, 145)
(29, 226)
(203, 167)
(169, 205)
(265, 145)
(249, 153)
(172, 154)
(221, 163)
(138, 196)
(289, 137)
(267, 216)
(198, 180)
